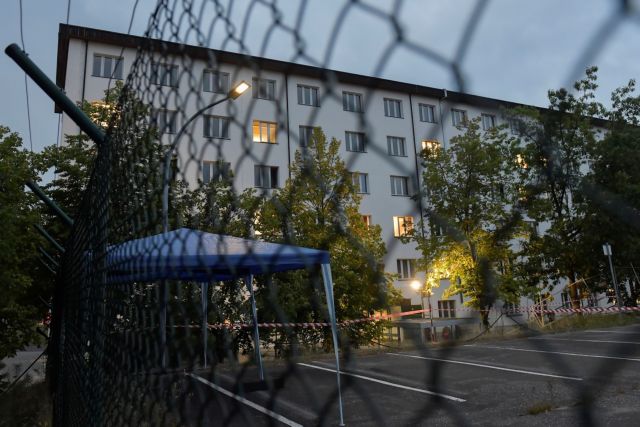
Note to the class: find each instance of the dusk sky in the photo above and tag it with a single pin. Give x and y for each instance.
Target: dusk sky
(518, 51)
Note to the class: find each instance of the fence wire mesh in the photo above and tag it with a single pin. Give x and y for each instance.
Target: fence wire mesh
(153, 321)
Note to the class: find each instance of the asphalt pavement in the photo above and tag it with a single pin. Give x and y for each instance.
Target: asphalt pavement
(578, 378)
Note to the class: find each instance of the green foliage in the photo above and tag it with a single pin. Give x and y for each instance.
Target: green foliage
(20, 309)
(472, 196)
(318, 208)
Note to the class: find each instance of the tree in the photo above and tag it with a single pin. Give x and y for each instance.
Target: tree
(471, 204)
(612, 190)
(318, 208)
(556, 144)
(20, 307)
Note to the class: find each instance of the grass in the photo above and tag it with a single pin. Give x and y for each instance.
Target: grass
(26, 404)
(590, 321)
(539, 408)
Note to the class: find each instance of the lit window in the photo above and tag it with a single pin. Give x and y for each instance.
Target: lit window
(427, 113)
(352, 102)
(355, 141)
(215, 81)
(399, 186)
(164, 120)
(402, 225)
(308, 95)
(367, 220)
(305, 135)
(264, 132)
(406, 268)
(447, 308)
(431, 145)
(164, 74)
(216, 127)
(360, 182)
(393, 108)
(107, 66)
(265, 176)
(488, 121)
(215, 171)
(396, 146)
(264, 88)
(459, 117)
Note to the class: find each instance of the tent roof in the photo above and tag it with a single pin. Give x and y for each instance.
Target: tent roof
(187, 254)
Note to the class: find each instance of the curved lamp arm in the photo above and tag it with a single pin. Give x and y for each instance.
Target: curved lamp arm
(167, 162)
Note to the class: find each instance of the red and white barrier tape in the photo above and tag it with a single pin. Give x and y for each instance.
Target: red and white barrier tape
(313, 325)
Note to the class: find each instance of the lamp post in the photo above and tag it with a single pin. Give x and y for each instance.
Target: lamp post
(422, 289)
(234, 93)
(417, 286)
(606, 248)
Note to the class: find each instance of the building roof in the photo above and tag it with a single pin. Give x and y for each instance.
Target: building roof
(67, 32)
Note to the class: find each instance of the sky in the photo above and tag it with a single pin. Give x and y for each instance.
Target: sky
(517, 51)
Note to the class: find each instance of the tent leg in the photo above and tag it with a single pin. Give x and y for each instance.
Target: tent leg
(164, 295)
(328, 289)
(205, 328)
(256, 333)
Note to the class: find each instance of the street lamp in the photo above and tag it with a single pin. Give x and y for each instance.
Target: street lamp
(234, 93)
(417, 286)
(606, 248)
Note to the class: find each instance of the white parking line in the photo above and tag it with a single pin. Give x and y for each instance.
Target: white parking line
(615, 332)
(552, 352)
(247, 402)
(581, 340)
(479, 365)
(375, 380)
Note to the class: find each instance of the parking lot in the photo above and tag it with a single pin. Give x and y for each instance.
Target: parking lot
(572, 378)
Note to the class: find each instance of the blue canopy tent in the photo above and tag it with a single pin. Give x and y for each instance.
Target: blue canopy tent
(194, 255)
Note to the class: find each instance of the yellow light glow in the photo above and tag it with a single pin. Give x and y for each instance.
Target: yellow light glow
(239, 89)
(416, 285)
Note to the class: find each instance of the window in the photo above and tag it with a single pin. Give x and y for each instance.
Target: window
(215, 81)
(459, 117)
(264, 89)
(215, 171)
(406, 268)
(393, 108)
(266, 176)
(367, 220)
(399, 186)
(216, 127)
(355, 141)
(431, 144)
(437, 230)
(352, 102)
(447, 308)
(107, 66)
(305, 135)
(264, 131)
(164, 120)
(396, 146)
(164, 74)
(360, 182)
(488, 121)
(402, 225)
(515, 125)
(427, 113)
(308, 95)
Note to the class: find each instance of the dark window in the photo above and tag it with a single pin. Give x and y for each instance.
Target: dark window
(355, 141)
(447, 308)
(266, 176)
(393, 108)
(352, 102)
(264, 88)
(164, 74)
(215, 171)
(164, 120)
(399, 186)
(306, 132)
(308, 95)
(216, 127)
(427, 113)
(215, 81)
(107, 66)
(396, 146)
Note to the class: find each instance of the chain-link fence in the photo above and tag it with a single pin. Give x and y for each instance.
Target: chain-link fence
(225, 242)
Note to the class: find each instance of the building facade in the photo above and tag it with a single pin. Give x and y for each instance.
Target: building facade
(383, 124)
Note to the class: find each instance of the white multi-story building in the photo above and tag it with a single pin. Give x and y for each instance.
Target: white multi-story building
(383, 124)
